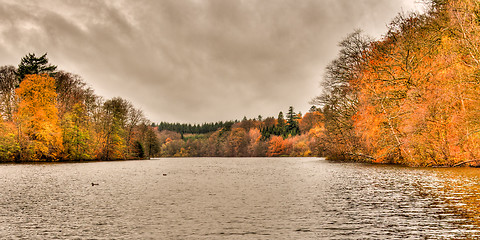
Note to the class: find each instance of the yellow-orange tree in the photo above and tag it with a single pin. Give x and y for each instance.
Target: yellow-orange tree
(464, 17)
(77, 134)
(37, 119)
(418, 95)
(9, 148)
(340, 99)
(392, 81)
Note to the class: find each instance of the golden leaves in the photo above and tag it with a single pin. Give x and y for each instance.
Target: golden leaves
(37, 116)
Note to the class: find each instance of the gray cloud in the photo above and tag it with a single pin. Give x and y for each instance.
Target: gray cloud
(193, 60)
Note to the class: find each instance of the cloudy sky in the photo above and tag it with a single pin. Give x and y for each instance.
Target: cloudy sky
(194, 60)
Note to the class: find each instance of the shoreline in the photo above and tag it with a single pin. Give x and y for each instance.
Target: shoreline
(458, 166)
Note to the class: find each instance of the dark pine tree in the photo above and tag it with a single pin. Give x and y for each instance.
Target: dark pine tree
(292, 127)
(280, 127)
(31, 64)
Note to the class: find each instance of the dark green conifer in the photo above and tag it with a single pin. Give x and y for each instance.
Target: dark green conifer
(30, 64)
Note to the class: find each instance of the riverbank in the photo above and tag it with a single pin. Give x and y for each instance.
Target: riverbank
(73, 161)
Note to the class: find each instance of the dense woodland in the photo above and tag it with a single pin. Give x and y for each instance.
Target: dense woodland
(411, 97)
(194, 129)
(49, 115)
(292, 135)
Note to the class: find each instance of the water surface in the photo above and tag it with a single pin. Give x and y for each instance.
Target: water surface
(236, 198)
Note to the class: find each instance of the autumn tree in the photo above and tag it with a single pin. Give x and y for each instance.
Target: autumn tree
(71, 90)
(238, 142)
(217, 142)
(410, 93)
(257, 147)
(410, 98)
(9, 147)
(112, 129)
(300, 146)
(233, 140)
(339, 99)
(134, 118)
(311, 120)
(77, 134)
(247, 124)
(151, 143)
(278, 146)
(8, 83)
(37, 119)
(464, 20)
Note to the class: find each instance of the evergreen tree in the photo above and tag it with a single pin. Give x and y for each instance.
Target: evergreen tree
(138, 151)
(280, 127)
(30, 64)
(292, 123)
(189, 128)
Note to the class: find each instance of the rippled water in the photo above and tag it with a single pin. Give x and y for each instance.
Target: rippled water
(236, 198)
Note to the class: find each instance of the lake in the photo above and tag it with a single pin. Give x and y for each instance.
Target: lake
(237, 198)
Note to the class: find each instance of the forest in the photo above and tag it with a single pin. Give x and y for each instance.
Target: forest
(49, 115)
(293, 135)
(412, 97)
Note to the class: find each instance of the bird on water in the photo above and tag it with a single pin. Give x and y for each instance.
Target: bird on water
(93, 184)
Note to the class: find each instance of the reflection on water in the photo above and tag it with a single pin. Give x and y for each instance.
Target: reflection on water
(232, 198)
(459, 190)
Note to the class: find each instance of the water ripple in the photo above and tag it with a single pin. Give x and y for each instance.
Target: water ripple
(248, 198)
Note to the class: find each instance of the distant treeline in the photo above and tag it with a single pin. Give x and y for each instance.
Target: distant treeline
(193, 129)
(296, 135)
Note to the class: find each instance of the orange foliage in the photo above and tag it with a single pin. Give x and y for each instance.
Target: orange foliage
(417, 94)
(277, 146)
(311, 120)
(37, 118)
(238, 142)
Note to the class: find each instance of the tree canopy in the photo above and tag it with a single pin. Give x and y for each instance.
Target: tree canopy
(411, 97)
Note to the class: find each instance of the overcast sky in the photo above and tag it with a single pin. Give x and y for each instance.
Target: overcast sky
(194, 60)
